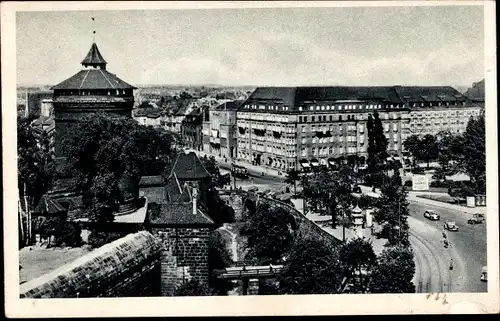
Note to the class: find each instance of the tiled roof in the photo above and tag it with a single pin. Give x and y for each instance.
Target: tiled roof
(188, 167)
(294, 97)
(93, 57)
(156, 180)
(93, 79)
(47, 205)
(176, 191)
(176, 214)
(147, 112)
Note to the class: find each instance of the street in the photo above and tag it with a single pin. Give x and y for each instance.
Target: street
(467, 250)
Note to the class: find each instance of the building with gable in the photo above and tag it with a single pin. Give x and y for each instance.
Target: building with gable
(182, 224)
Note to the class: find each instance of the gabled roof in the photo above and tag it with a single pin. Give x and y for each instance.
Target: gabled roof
(156, 180)
(93, 79)
(176, 214)
(47, 205)
(188, 167)
(176, 191)
(93, 57)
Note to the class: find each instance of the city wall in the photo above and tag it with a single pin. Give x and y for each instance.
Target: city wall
(127, 267)
(305, 227)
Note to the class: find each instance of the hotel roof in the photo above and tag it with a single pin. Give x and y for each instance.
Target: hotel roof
(295, 97)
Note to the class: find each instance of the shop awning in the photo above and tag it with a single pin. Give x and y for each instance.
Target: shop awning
(304, 163)
(314, 162)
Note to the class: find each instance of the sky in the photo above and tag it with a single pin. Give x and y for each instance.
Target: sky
(261, 47)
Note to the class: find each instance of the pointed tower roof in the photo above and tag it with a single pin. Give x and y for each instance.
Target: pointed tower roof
(94, 57)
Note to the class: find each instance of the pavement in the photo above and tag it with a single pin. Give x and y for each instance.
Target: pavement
(350, 233)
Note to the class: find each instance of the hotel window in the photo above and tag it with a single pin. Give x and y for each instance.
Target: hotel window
(331, 118)
(340, 107)
(313, 150)
(303, 129)
(341, 150)
(317, 107)
(304, 140)
(322, 107)
(304, 152)
(340, 118)
(386, 127)
(324, 118)
(300, 108)
(311, 108)
(313, 119)
(327, 107)
(330, 151)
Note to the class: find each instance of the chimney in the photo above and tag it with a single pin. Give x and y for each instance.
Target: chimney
(195, 205)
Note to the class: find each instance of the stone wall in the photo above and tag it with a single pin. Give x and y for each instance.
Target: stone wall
(127, 267)
(305, 227)
(184, 256)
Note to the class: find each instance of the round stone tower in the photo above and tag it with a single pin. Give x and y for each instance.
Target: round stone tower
(92, 90)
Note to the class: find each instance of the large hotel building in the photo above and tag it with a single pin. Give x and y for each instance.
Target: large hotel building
(295, 127)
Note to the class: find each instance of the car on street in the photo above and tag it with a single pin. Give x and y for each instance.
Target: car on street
(431, 215)
(484, 274)
(476, 218)
(253, 189)
(451, 226)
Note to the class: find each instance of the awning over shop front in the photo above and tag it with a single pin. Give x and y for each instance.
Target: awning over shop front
(304, 163)
(314, 162)
(332, 161)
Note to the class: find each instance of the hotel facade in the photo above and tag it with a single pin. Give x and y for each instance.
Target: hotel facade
(297, 127)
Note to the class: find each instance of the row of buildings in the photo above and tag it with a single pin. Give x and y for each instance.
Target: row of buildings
(296, 127)
(276, 127)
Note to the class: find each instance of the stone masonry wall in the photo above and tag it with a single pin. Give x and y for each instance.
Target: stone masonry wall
(127, 267)
(305, 227)
(184, 256)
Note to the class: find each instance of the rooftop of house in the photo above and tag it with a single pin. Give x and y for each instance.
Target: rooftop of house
(294, 97)
(48, 205)
(178, 213)
(188, 167)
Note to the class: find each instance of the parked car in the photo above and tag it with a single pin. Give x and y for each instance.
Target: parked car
(431, 215)
(476, 219)
(484, 274)
(451, 226)
(253, 189)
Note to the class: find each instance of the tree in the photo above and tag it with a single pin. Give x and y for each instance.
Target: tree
(35, 166)
(377, 149)
(191, 288)
(394, 271)
(357, 258)
(269, 234)
(474, 150)
(393, 209)
(413, 144)
(218, 259)
(450, 148)
(311, 268)
(429, 148)
(292, 176)
(107, 156)
(330, 191)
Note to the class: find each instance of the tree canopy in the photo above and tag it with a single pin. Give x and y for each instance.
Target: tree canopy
(106, 154)
(357, 259)
(394, 271)
(35, 167)
(377, 149)
(218, 259)
(311, 268)
(292, 176)
(330, 191)
(269, 234)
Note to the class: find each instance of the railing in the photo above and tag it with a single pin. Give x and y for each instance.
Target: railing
(251, 272)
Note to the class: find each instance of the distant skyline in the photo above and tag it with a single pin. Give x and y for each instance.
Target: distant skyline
(259, 47)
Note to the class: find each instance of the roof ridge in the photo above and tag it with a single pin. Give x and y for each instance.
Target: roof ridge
(85, 77)
(107, 79)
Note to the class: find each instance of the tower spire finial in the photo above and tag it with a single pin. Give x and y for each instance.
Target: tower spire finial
(93, 32)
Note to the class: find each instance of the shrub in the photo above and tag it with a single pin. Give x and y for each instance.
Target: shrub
(191, 288)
